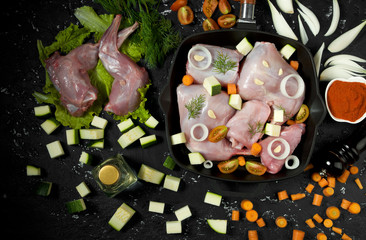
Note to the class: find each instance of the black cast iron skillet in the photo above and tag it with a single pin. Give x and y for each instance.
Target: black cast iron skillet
(230, 38)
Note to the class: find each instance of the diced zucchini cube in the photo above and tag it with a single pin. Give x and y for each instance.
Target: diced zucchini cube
(55, 149)
(75, 206)
(42, 111)
(173, 227)
(272, 130)
(278, 115)
(149, 174)
(212, 85)
(83, 189)
(183, 213)
(33, 171)
(72, 136)
(235, 101)
(157, 207)
(196, 158)
(85, 158)
(244, 46)
(44, 188)
(99, 122)
(151, 122)
(50, 125)
(287, 51)
(171, 183)
(178, 138)
(213, 198)
(91, 134)
(131, 136)
(122, 215)
(97, 144)
(125, 125)
(169, 163)
(148, 141)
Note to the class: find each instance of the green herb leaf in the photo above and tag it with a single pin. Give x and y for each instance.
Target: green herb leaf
(256, 128)
(223, 64)
(195, 106)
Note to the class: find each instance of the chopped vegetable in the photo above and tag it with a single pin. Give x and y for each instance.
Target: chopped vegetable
(281, 222)
(310, 223)
(255, 168)
(204, 129)
(323, 182)
(321, 236)
(359, 184)
(255, 149)
(317, 199)
(185, 15)
(235, 215)
(337, 230)
(308, 167)
(294, 64)
(178, 4)
(345, 204)
(42, 111)
(196, 158)
(210, 24)
(318, 58)
(297, 196)
(122, 215)
(244, 46)
(227, 20)
(353, 170)
(286, 6)
(212, 85)
(218, 225)
(235, 101)
(183, 213)
(298, 234)
(316, 177)
(157, 207)
(171, 183)
(310, 18)
(282, 195)
(309, 188)
(173, 227)
(333, 212)
(83, 189)
(335, 19)
(187, 80)
(44, 188)
(343, 178)
(354, 208)
(246, 205)
(207, 164)
(231, 88)
(346, 237)
(303, 35)
(328, 223)
(328, 191)
(33, 171)
(331, 181)
(212, 198)
(75, 206)
(149, 174)
(217, 134)
(318, 218)
(228, 166)
(209, 7)
(50, 125)
(344, 40)
(292, 162)
(55, 149)
(241, 161)
(251, 215)
(169, 163)
(148, 141)
(287, 51)
(252, 235)
(224, 6)
(195, 105)
(130, 136)
(260, 222)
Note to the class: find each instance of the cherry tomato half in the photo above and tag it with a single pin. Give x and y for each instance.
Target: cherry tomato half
(227, 20)
(185, 15)
(178, 4)
(209, 7)
(228, 166)
(255, 168)
(217, 134)
(303, 114)
(224, 6)
(210, 24)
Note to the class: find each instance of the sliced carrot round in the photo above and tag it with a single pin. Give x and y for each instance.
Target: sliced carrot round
(251, 215)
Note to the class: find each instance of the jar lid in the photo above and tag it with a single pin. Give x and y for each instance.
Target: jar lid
(108, 174)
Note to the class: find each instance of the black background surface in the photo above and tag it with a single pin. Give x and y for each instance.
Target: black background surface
(23, 142)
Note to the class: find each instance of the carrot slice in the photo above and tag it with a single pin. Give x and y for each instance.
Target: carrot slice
(282, 195)
(359, 184)
(297, 196)
(308, 167)
(241, 161)
(251, 215)
(323, 182)
(256, 149)
(345, 204)
(318, 218)
(316, 177)
(321, 236)
(328, 191)
(337, 230)
(294, 64)
(298, 234)
(252, 235)
(310, 223)
(317, 200)
(328, 223)
(353, 170)
(333, 212)
(231, 88)
(281, 222)
(309, 188)
(187, 80)
(346, 237)
(246, 205)
(343, 178)
(331, 181)
(260, 222)
(354, 208)
(235, 215)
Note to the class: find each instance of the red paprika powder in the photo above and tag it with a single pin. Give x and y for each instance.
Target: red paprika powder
(347, 100)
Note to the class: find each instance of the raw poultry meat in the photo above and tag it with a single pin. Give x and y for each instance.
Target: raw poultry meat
(128, 76)
(261, 76)
(246, 126)
(221, 150)
(216, 53)
(292, 135)
(69, 75)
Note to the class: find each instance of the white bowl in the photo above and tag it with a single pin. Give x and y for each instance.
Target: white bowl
(352, 79)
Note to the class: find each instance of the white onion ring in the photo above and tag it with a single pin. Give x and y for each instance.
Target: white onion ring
(284, 154)
(296, 163)
(204, 135)
(205, 50)
(208, 164)
(300, 86)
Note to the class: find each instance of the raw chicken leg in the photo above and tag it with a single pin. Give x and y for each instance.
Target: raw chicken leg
(218, 104)
(128, 76)
(69, 75)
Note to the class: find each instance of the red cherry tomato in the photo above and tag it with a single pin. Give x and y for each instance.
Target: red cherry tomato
(209, 7)
(178, 4)
(185, 15)
(217, 134)
(224, 6)
(210, 24)
(227, 20)
(255, 168)
(228, 166)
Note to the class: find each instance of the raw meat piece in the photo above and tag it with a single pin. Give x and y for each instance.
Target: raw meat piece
(246, 126)
(221, 150)
(230, 76)
(69, 75)
(128, 76)
(292, 134)
(265, 64)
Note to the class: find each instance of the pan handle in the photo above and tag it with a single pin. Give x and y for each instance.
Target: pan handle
(246, 14)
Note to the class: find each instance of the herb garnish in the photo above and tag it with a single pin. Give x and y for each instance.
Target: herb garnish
(195, 106)
(223, 63)
(257, 128)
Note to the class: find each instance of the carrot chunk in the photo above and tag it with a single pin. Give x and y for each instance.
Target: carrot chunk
(298, 234)
(309, 188)
(241, 161)
(252, 235)
(359, 184)
(310, 223)
(354, 208)
(337, 230)
(318, 218)
(353, 170)
(235, 215)
(187, 80)
(328, 223)
(231, 88)
(331, 181)
(297, 196)
(281, 222)
(346, 237)
(308, 167)
(251, 215)
(282, 195)
(321, 236)
(316, 177)
(256, 149)
(328, 191)
(317, 199)
(246, 205)
(323, 182)
(294, 64)
(345, 204)
(260, 222)
(333, 212)
(343, 178)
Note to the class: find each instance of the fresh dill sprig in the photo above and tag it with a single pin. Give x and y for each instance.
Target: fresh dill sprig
(195, 105)
(223, 64)
(257, 128)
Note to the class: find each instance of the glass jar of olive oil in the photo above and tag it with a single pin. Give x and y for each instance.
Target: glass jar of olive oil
(114, 175)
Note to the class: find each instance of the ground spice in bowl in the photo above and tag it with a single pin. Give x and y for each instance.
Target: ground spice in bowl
(346, 100)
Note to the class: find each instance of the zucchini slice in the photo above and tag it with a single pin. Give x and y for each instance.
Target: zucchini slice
(148, 141)
(44, 188)
(122, 215)
(42, 111)
(50, 125)
(131, 136)
(76, 206)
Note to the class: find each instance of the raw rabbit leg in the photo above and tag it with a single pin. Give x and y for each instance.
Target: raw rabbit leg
(128, 76)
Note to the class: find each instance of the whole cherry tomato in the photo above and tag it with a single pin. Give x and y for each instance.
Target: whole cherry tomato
(209, 7)
(185, 15)
(228, 166)
(227, 20)
(217, 134)
(210, 24)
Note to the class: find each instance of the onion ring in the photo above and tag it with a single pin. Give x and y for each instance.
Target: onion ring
(300, 87)
(295, 164)
(284, 154)
(208, 164)
(205, 50)
(205, 132)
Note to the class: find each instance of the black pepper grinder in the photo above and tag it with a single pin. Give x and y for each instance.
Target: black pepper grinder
(338, 157)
